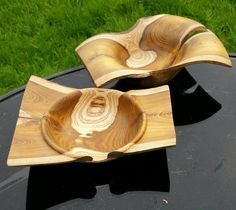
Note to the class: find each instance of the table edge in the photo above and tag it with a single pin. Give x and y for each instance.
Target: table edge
(59, 74)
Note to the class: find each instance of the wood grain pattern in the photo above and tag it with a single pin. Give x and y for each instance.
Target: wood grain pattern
(43, 98)
(156, 47)
(93, 122)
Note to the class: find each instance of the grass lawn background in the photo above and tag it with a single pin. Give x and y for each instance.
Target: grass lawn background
(39, 37)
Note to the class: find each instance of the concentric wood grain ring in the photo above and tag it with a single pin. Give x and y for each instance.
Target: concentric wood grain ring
(93, 122)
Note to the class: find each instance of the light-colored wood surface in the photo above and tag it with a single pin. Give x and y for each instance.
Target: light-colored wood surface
(93, 122)
(156, 47)
(46, 99)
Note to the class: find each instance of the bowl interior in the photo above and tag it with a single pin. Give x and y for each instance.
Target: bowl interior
(95, 121)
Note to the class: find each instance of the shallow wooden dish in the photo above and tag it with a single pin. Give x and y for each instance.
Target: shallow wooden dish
(93, 122)
(155, 48)
(146, 123)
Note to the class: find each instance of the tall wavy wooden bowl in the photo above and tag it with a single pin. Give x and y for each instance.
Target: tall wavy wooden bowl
(93, 122)
(155, 48)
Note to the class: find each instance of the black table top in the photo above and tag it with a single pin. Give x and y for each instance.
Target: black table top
(199, 173)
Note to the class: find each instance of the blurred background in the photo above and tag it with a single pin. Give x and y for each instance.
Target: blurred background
(40, 37)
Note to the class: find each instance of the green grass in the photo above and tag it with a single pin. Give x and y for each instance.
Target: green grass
(39, 37)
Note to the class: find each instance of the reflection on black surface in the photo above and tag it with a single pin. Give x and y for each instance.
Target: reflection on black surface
(54, 184)
(190, 102)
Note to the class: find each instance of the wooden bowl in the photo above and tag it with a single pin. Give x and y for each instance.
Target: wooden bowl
(93, 122)
(50, 106)
(155, 48)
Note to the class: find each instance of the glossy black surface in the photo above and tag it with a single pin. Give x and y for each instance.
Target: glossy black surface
(199, 173)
